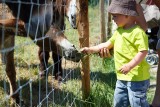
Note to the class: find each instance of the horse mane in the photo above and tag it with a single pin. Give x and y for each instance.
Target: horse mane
(59, 13)
(60, 6)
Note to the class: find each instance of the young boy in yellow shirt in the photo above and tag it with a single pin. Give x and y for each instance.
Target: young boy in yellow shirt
(130, 44)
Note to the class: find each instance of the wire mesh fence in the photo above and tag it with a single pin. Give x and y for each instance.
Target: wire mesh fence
(32, 89)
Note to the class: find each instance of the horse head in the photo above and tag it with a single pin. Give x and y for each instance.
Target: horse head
(60, 44)
(69, 9)
(71, 12)
(64, 46)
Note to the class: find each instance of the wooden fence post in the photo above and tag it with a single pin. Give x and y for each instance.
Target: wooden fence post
(83, 30)
(103, 23)
(109, 22)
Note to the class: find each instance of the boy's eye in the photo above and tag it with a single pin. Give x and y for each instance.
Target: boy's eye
(114, 16)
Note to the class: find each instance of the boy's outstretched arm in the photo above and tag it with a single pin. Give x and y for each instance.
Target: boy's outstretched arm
(97, 48)
(134, 62)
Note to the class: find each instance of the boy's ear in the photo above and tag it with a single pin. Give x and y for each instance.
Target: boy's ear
(109, 13)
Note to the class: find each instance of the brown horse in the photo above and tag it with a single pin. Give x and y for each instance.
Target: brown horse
(41, 17)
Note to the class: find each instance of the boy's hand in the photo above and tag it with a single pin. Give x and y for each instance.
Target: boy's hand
(104, 53)
(125, 69)
(85, 50)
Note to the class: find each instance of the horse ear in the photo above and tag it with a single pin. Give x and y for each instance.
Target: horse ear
(60, 4)
(54, 30)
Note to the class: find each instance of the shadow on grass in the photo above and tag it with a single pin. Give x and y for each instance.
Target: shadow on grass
(107, 78)
(45, 92)
(42, 93)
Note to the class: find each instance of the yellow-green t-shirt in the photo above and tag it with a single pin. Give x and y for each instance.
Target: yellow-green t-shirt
(127, 43)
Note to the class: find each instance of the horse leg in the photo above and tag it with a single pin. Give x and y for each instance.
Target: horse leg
(43, 57)
(11, 73)
(57, 66)
(8, 57)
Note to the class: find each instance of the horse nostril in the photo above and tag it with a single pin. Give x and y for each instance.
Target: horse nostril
(73, 17)
(73, 46)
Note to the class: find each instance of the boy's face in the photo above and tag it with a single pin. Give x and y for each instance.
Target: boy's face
(119, 19)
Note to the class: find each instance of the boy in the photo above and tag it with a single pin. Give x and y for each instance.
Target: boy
(130, 45)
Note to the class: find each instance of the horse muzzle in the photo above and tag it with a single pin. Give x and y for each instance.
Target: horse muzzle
(69, 51)
(73, 55)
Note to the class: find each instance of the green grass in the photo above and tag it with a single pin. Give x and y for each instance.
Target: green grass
(68, 93)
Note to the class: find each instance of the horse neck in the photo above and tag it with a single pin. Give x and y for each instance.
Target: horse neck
(60, 6)
(25, 9)
(59, 14)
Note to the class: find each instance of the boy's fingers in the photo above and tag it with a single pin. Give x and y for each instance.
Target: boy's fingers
(101, 53)
(108, 53)
(104, 53)
(83, 50)
(120, 69)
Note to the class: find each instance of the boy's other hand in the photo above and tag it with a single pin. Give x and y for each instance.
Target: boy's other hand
(104, 53)
(125, 69)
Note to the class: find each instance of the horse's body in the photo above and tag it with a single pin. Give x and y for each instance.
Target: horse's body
(40, 14)
(38, 18)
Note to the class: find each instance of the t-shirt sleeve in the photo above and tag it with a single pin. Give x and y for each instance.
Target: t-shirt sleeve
(141, 41)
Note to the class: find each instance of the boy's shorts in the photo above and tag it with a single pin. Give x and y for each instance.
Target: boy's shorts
(131, 93)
